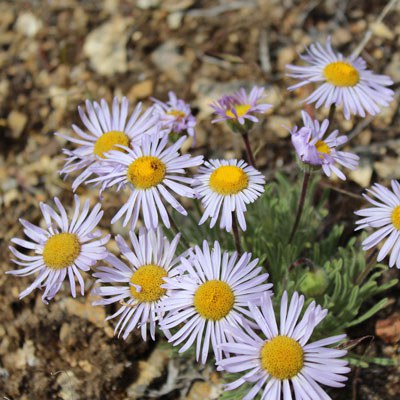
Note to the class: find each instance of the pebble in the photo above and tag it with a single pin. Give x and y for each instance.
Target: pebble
(16, 121)
(105, 46)
(142, 90)
(28, 24)
(168, 59)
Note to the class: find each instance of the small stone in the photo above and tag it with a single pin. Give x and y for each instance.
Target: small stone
(176, 5)
(96, 315)
(393, 68)
(27, 24)
(174, 20)
(341, 36)
(199, 391)
(86, 366)
(168, 60)
(105, 46)
(363, 174)
(389, 168)
(68, 382)
(148, 371)
(381, 30)
(286, 56)
(17, 122)
(147, 4)
(142, 90)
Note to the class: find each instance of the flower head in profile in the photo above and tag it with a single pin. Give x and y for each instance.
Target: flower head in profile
(65, 248)
(280, 360)
(345, 81)
(314, 150)
(137, 281)
(151, 171)
(225, 187)
(176, 116)
(385, 217)
(239, 108)
(105, 130)
(211, 297)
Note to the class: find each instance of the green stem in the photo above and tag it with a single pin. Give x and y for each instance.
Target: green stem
(300, 207)
(370, 261)
(177, 230)
(331, 115)
(235, 232)
(250, 156)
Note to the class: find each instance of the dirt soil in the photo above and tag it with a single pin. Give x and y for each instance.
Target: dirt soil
(55, 54)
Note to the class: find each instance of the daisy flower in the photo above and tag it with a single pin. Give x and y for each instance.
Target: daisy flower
(384, 216)
(239, 108)
(313, 149)
(149, 171)
(226, 187)
(211, 297)
(176, 116)
(105, 130)
(66, 247)
(281, 360)
(139, 280)
(345, 81)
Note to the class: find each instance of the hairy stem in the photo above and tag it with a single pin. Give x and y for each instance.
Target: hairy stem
(235, 232)
(300, 207)
(250, 156)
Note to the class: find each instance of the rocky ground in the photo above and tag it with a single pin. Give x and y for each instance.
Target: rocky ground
(55, 54)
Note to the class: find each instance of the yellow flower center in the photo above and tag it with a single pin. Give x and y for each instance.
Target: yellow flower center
(340, 73)
(228, 179)
(241, 110)
(214, 300)
(109, 141)
(146, 172)
(149, 278)
(396, 217)
(177, 114)
(282, 357)
(61, 250)
(322, 147)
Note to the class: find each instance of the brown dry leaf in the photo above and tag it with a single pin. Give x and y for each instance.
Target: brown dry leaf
(388, 329)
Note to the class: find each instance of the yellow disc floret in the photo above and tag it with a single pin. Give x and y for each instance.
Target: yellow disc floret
(109, 141)
(341, 74)
(149, 278)
(146, 172)
(282, 357)
(177, 114)
(214, 300)
(396, 217)
(228, 179)
(322, 147)
(61, 250)
(241, 110)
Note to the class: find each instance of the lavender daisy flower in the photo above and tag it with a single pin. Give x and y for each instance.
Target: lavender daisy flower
(211, 297)
(66, 247)
(238, 108)
(283, 362)
(313, 149)
(176, 116)
(346, 81)
(106, 130)
(149, 171)
(226, 187)
(139, 281)
(384, 216)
